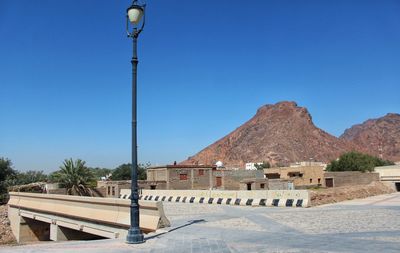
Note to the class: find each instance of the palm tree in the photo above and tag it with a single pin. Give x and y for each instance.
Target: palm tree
(75, 177)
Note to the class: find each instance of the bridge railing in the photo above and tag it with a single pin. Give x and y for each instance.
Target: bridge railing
(105, 211)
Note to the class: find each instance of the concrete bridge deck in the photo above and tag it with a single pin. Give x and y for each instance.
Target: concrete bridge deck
(368, 225)
(41, 217)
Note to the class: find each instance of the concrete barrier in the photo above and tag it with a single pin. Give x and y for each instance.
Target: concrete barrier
(105, 217)
(270, 198)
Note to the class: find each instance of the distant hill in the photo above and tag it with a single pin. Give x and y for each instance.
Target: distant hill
(279, 133)
(381, 136)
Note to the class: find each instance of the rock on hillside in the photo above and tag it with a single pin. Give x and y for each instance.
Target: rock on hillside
(279, 133)
(381, 136)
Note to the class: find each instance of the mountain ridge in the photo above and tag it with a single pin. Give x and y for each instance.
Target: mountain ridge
(278, 133)
(381, 135)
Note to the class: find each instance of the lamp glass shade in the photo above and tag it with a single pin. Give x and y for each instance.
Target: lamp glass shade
(135, 14)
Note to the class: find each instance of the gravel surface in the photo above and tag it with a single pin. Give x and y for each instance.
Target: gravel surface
(340, 220)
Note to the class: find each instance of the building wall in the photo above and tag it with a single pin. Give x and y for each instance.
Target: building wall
(278, 184)
(152, 185)
(304, 176)
(347, 178)
(156, 174)
(175, 181)
(231, 178)
(112, 188)
(255, 184)
(202, 182)
(189, 178)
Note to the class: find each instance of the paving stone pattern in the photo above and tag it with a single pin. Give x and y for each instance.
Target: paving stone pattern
(370, 225)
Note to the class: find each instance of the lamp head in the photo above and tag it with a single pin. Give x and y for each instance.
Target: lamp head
(135, 13)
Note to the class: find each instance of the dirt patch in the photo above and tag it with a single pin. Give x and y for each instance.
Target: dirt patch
(6, 236)
(338, 194)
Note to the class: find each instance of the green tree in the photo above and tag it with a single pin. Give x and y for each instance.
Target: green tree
(355, 161)
(123, 172)
(75, 177)
(263, 165)
(6, 172)
(30, 176)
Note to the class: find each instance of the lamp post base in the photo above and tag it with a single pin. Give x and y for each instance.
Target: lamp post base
(134, 236)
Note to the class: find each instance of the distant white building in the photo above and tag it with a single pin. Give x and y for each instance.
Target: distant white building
(251, 166)
(219, 164)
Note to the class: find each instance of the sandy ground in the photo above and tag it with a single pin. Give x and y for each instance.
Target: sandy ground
(6, 236)
(339, 194)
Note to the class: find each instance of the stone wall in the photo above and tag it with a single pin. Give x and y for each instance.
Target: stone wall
(189, 178)
(277, 184)
(202, 182)
(349, 178)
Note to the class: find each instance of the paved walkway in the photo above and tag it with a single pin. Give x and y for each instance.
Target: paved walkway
(368, 225)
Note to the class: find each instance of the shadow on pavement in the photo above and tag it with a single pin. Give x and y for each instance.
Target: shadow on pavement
(171, 230)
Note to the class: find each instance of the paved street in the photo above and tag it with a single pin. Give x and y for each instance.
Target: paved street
(369, 225)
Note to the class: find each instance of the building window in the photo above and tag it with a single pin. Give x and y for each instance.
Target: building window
(109, 190)
(201, 172)
(310, 180)
(262, 186)
(113, 191)
(295, 174)
(272, 175)
(319, 180)
(182, 176)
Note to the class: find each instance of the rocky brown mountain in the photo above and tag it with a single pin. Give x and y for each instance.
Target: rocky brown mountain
(279, 133)
(381, 136)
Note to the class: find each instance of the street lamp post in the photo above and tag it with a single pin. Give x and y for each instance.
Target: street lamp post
(134, 15)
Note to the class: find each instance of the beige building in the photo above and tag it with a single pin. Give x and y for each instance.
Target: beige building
(240, 180)
(181, 177)
(111, 189)
(348, 178)
(302, 176)
(203, 177)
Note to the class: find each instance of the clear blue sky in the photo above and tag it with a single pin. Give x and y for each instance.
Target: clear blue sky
(205, 67)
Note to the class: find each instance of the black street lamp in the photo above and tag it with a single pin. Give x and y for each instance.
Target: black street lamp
(134, 15)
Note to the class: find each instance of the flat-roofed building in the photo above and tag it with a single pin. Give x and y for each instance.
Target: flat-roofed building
(204, 177)
(349, 178)
(182, 177)
(302, 176)
(239, 179)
